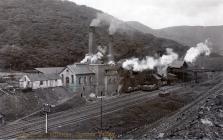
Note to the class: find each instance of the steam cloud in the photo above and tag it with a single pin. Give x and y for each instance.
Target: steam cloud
(111, 62)
(105, 19)
(194, 52)
(92, 59)
(150, 62)
(95, 58)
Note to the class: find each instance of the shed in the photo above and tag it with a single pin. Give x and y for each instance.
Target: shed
(40, 80)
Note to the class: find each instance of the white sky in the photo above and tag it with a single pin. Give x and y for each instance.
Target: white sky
(162, 13)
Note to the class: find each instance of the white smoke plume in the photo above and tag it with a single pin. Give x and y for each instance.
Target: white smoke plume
(150, 62)
(95, 58)
(105, 19)
(92, 59)
(102, 49)
(111, 63)
(194, 52)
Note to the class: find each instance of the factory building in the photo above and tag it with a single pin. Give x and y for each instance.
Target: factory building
(91, 78)
(79, 78)
(106, 79)
(99, 77)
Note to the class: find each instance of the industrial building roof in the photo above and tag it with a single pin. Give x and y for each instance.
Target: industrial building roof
(43, 77)
(177, 64)
(50, 70)
(80, 69)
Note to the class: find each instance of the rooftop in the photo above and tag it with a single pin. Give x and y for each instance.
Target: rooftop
(80, 69)
(43, 77)
(50, 70)
(177, 64)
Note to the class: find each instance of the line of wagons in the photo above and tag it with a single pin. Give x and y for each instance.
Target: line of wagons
(148, 88)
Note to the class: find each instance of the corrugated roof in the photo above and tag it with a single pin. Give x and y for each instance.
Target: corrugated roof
(177, 64)
(50, 70)
(80, 69)
(43, 77)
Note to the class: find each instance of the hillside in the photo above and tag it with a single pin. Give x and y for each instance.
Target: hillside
(55, 33)
(187, 35)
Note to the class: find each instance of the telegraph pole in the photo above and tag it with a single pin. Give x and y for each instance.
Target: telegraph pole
(46, 130)
(101, 112)
(46, 109)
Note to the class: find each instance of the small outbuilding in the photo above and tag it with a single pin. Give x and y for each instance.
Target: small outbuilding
(36, 81)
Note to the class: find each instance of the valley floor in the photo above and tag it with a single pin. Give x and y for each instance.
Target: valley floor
(128, 116)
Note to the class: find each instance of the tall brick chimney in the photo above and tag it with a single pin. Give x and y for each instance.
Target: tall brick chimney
(91, 40)
(110, 49)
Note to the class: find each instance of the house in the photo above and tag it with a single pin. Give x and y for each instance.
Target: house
(79, 78)
(35, 81)
(50, 70)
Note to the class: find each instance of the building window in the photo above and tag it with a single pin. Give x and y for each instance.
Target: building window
(67, 80)
(67, 70)
(79, 80)
(62, 77)
(90, 79)
(41, 82)
(24, 78)
(72, 78)
(85, 80)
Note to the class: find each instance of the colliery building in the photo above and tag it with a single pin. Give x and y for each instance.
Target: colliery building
(79, 78)
(99, 77)
(90, 78)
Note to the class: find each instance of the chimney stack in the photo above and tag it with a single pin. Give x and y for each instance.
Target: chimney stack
(110, 48)
(91, 40)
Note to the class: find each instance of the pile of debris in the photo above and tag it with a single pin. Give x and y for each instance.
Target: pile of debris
(206, 123)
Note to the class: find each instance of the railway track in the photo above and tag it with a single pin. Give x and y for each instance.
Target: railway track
(165, 125)
(67, 121)
(63, 114)
(79, 110)
(75, 117)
